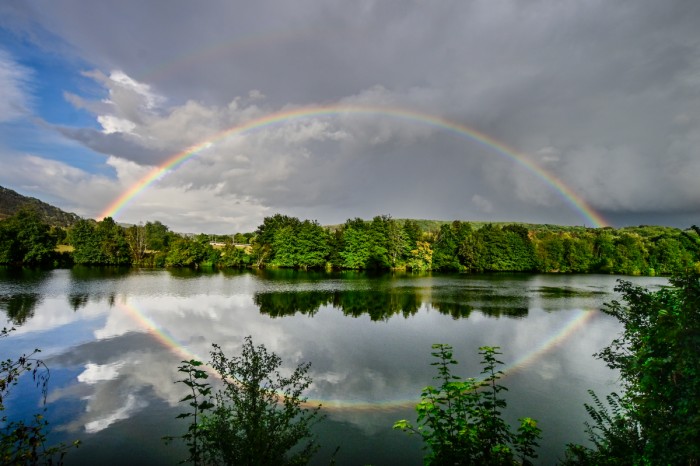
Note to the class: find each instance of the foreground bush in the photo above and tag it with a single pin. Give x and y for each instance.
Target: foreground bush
(460, 421)
(657, 418)
(256, 418)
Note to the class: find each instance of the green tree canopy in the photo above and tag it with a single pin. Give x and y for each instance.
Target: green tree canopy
(26, 239)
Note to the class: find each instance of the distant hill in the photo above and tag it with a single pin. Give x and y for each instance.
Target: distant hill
(11, 202)
(434, 225)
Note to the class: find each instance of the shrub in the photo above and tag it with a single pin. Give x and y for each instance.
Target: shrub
(256, 418)
(460, 421)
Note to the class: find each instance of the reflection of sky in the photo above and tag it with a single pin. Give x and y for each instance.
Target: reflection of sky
(367, 373)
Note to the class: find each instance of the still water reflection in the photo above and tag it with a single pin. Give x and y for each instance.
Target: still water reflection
(113, 340)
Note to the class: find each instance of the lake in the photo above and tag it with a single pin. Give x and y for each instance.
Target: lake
(113, 339)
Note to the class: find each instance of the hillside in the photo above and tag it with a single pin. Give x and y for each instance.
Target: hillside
(11, 202)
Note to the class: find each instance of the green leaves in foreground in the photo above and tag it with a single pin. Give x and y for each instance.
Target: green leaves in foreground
(460, 420)
(199, 400)
(256, 417)
(656, 420)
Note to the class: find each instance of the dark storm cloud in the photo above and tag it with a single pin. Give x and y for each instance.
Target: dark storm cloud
(604, 95)
(116, 144)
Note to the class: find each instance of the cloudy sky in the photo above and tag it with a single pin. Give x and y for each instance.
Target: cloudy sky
(598, 101)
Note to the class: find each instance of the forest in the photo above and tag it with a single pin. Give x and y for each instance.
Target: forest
(383, 243)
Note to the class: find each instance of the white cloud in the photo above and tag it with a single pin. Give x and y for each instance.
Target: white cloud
(14, 88)
(565, 81)
(95, 373)
(111, 124)
(82, 192)
(131, 405)
(151, 99)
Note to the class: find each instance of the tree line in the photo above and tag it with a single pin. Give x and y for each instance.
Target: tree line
(382, 243)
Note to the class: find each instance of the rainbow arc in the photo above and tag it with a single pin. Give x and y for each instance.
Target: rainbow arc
(578, 204)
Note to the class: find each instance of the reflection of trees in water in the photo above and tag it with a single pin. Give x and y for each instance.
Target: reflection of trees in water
(24, 276)
(457, 310)
(19, 307)
(379, 305)
(287, 303)
(96, 273)
(492, 311)
(567, 292)
(486, 300)
(383, 304)
(463, 310)
(81, 290)
(78, 300)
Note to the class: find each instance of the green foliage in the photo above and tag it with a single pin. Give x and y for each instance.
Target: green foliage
(460, 420)
(412, 234)
(383, 243)
(257, 418)
(301, 245)
(25, 442)
(199, 399)
(135, 237)
(26, 239)
(657, 419)
(421, 257)
(356, 250)
(616, 437)
(284, 241)
(157, 236)
(233, 256)
(630, 255)
(446, 246)
(243, 238)
(386, 243)
(188, 252)
(99, 243)
(498, 249)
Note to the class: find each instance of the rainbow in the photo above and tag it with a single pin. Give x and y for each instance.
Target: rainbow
(571, 198)
(579, 320)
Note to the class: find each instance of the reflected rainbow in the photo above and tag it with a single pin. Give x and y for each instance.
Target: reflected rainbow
(575, 201)
(579, 320)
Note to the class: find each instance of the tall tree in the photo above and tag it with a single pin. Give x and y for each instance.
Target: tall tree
(86, 243)
(396, 242)
(157, 236)
(136, 239)
(26, 239)
(312, 245)
(114, 247)
(356, 244)
(446, 248)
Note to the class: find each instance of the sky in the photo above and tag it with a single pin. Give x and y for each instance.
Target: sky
(543, 111)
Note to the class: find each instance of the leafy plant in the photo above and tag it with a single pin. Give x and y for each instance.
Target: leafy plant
(25, 442)
(615, 435)
(200, 400)
(460, 420)
(256, 418)
(657, 418)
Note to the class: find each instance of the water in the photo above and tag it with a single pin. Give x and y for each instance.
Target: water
(113, 340)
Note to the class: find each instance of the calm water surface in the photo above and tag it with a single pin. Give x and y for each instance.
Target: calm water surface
(113, 340)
